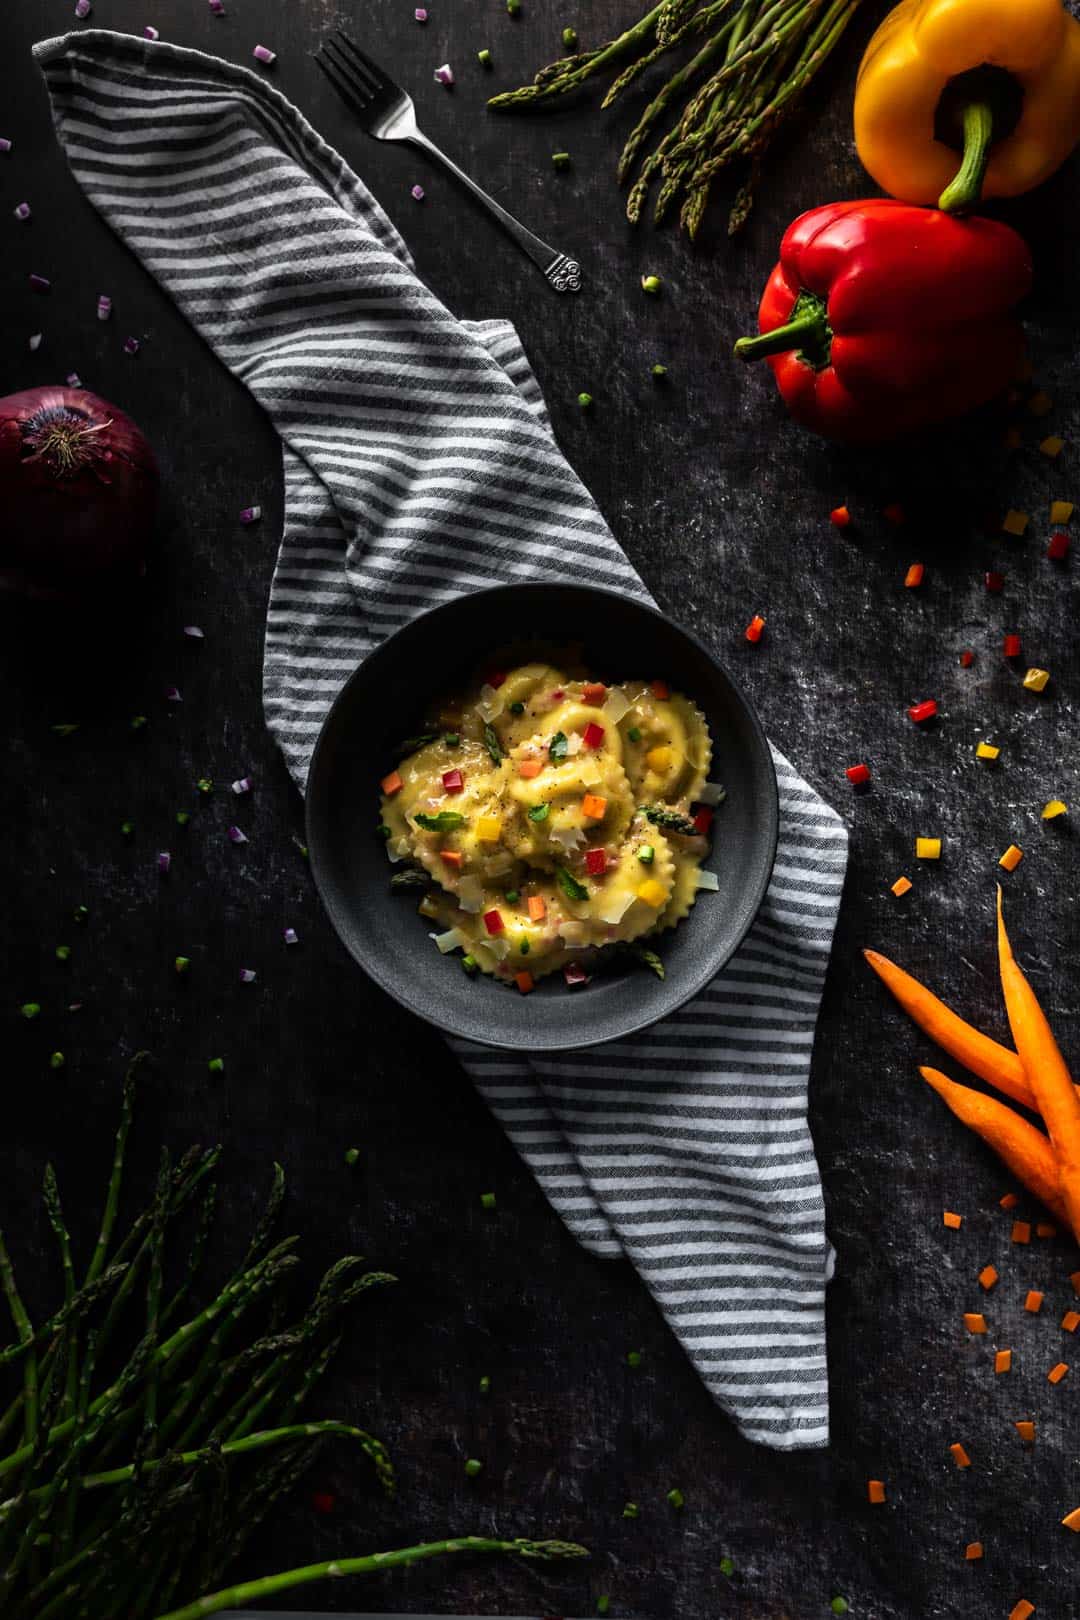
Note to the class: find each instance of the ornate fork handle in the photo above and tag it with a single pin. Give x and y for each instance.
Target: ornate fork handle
(563, 272)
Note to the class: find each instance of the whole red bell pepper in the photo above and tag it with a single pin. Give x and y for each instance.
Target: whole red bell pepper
(882, 317)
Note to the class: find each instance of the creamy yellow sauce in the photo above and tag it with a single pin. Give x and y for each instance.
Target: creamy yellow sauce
(555, 816)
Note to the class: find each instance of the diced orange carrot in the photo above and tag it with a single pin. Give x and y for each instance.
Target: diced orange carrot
(530, 768)
(524, 982)
(593, 805)
(974, 1549)
(960, 1456)
(1071, 1321)
(593, 692)
(988, 1277)
(1009, 1201)
(975, 1322)
(1056, 1374)
(1026, 1430)
(1033, 1302)
(1003, 1361)
(537, 907)
(1071, 1521)
(1021, 1232)
(951, 1219)
(875, 1491)
(1021, 1610)
(901, 886)
(392, 784)
(1045, 1230)
(1074, 1278)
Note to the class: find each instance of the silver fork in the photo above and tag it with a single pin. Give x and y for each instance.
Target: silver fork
(387, 113)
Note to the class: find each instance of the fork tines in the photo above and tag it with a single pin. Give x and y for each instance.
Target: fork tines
(356, 78)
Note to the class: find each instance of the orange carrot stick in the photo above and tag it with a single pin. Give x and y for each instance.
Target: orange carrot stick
(1047, 1074)
(988, 1059)
(1027, 1152)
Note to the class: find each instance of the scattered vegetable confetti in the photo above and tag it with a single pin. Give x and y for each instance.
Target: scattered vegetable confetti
(290, 936)
(926, 710)
(875, 1491)
(915, 576)
(1056, 1374)
(840, 517)
(1015, 522)
(959, 1455)
(975, 1322)
(988, 1277)
(444, 75)
(857, 775)
(928, 849)
(901, 886)
(650, 284)
(987, 750)
(952, 1220)
(1003, 1361)
(1058, 546)
(755, 628)
(262, 54)
(417, 193)
(1036, 680)
(1011, 858)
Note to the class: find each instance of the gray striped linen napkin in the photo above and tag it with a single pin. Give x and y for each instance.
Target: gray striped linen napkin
(416, 451)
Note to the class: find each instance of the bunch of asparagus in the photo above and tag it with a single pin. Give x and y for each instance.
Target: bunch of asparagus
(151, 1437)
(748, 65)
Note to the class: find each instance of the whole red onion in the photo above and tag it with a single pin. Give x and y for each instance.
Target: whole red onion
(78, 492)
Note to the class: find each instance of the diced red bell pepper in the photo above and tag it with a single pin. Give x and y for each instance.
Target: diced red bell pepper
(392, 784)
(593, 692)
(495, 677)
(593, 735)
(524, 981)
(493, 922)
(1058, 548)
(755, 627)
(596, 862)
(840, 517)
(967, 658)
(661, 691)
(453, 781)
(703, 819)
(323, 1502)
(994, 582)
(1011, 646)
(451, 857)
(557, 697)
(857, 774)
(574, 973)
(923, 711)
(893, 514)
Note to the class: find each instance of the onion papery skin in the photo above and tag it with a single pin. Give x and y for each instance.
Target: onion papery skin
(78, 493)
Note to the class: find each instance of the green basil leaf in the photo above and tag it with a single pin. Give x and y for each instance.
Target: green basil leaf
(557, 746)
(570, 886)
(539, 812)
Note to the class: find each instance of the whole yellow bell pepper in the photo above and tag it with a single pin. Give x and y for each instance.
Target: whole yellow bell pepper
(962, 99)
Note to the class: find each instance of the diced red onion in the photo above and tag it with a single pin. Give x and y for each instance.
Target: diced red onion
(35, 342)
(236, 836)
(418, 193)
(251, 514)
(82, 8)
(40, 284)
(172, 694)
(150, 32)
(242, 784)
(261, 54)
(420, 14)
(5, 144)
(73, 379)
(574, 973)
(164, 861)
(247, 975)
(104, 307)
(444, 74)
(193, 631)
(291, 937)
(131, 345)
(218, 8)
(21, 210)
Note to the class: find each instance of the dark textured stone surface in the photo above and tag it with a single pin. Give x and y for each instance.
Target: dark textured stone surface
(723, 505)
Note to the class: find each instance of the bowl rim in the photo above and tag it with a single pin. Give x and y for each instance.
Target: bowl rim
(694, 983)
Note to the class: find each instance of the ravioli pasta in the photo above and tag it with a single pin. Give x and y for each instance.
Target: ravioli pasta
(554, 816)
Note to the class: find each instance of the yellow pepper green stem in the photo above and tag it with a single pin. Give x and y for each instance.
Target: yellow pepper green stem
(964, 191)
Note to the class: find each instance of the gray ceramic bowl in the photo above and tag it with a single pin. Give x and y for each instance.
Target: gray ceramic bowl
(385, 700)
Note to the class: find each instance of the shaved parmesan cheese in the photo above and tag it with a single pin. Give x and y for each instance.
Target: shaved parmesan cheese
(712, 793)
(567, 839)
(706, 880)
(615, 909)
(450, 941)
(616, 705)
(572, 933)
(591, 773)
(575, 743)
(491, 703)
(470, 894)
(498, 865)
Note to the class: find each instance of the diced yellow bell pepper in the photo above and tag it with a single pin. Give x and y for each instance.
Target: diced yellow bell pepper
(654, 894)
(901, 886)
(1035, 680)
(489, 829)
(1011, 858)
(1061, 511)
(1015, 522)
(658, 759)
(1052, 446)
(928, 849)
(1056, 807)
(987, 751)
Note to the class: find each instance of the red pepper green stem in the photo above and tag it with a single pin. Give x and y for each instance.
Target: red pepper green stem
(809, 330)
(964, 191)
